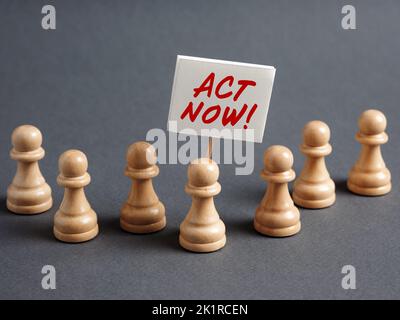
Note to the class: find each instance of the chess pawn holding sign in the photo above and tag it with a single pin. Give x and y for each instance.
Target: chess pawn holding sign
(28, 193)
(314, 189)
(202, 230)
(143, 212)
(276, 215)
(369, 176)
(75, 220)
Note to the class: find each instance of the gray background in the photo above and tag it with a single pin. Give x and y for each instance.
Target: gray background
(103, 79)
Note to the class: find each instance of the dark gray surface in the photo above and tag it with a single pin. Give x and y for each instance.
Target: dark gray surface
(103, 79)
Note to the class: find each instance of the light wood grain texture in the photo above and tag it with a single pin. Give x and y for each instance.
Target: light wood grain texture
(143, 212)
(28, 193)
(75, 220)
(369, 176)
(202, 230)
(277, 215)
(314, 188)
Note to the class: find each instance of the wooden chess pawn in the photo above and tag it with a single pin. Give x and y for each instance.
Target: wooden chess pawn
(314, 189)
(369, 176)
(277, 216)
(143, 212)
(202, 230)
(75, 220)
(28, 193)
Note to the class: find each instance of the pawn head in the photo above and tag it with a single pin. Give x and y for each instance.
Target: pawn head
(203, 172)
(372, 122)
(26, 138)
(278, 159)
(141, 155)
(73, 164)
(316, 134)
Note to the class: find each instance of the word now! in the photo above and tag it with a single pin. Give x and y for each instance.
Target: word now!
(212, 113)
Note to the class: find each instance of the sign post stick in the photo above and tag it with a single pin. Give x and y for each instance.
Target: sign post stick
(209, 149)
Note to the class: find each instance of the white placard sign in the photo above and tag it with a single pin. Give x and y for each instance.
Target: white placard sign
(231, 97)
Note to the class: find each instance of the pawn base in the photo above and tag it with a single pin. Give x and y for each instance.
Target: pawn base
(314, 204)
(30, 210)
(76, 237)
(143, 228)
(202, 247)
(277, 232)
(374, 191)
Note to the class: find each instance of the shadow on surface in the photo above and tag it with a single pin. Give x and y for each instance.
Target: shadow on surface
(241, 227)
(163, 239)
(250, 194)
(25, 226)
(341, 186)
(43, 230)
(109, 225)
(3, 205)
(30, 227)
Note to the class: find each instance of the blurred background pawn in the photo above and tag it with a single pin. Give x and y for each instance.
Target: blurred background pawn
(277, 216)
(314, 188)
(369, 176)
(142, 212)
(28, 193)
(202, 230)
(75, 220)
